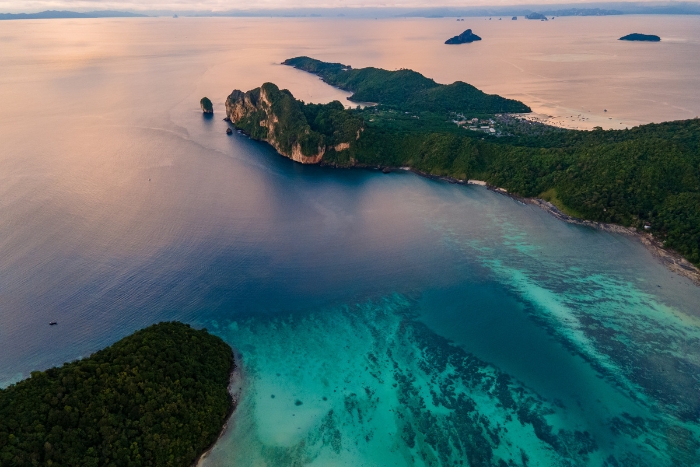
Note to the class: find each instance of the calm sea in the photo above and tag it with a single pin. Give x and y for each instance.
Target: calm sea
(379, 319)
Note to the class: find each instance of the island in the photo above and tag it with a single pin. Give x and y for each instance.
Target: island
(645, 178)
(54, 14)
(635, 36)
(466, 37)
(582, 12)
(206, 105)
(539, 16)
(158, 397)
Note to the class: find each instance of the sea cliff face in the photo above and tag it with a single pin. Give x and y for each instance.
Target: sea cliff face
(273, 115)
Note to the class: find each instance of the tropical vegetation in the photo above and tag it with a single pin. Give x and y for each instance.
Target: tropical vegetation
(406, 90)
(646, 177)
(156, 398)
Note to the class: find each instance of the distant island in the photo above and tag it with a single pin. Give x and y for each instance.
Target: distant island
(640, 37)
(582, 12)
(539, 16)
(465, 38)
(158, 397)
(645, 177)
(54, 14)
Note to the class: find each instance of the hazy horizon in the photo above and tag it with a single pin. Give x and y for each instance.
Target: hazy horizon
(154, 6)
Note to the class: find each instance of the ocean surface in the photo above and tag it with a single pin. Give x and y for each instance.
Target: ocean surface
(379, 319)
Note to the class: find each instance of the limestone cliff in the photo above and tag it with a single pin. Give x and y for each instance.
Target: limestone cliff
(275, 116)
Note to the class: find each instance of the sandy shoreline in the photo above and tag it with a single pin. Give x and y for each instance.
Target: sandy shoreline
(669, 258)
(235, 386)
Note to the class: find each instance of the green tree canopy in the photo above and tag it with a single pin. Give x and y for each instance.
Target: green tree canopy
(156, 398)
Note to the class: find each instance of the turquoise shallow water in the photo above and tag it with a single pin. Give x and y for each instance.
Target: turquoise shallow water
(396, 320)
(525, 362)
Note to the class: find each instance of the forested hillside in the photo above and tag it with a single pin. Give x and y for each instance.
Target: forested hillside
(647, 177)
(406, 89)
(156, 398)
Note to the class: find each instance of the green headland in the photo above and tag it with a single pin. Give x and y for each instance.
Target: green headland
(647, 177)
(406, 89)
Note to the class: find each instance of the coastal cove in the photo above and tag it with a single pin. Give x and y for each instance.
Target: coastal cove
(377, 319)
(599, 177)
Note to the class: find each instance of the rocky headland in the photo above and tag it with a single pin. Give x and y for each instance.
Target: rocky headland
(276, 117)
(420, 125)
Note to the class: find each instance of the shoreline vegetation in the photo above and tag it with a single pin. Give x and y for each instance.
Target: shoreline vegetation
(157, 397)
(643, 181)
(672, 260)
(235, 388)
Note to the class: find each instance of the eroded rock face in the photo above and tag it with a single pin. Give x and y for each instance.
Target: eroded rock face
(239, 104)
(274, 116)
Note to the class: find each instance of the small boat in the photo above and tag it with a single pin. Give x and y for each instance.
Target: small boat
(53, 323)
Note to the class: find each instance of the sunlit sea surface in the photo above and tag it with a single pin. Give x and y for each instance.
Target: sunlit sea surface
(380, 320)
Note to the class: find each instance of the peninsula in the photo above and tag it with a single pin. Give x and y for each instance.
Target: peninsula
(647, 178)
(406, 90)
(640, 37)
(466, 37)
(158, 397)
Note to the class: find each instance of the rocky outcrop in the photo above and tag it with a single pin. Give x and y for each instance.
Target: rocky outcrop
(465, 38)
(298, 156)
(206, 105)
(268, 114)
(275, 116)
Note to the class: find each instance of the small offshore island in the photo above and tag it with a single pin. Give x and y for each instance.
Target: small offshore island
(635, 36)
(466, 37)
(646, 178)
(158, 397)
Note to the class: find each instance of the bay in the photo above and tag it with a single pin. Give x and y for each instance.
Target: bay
(396, 320)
